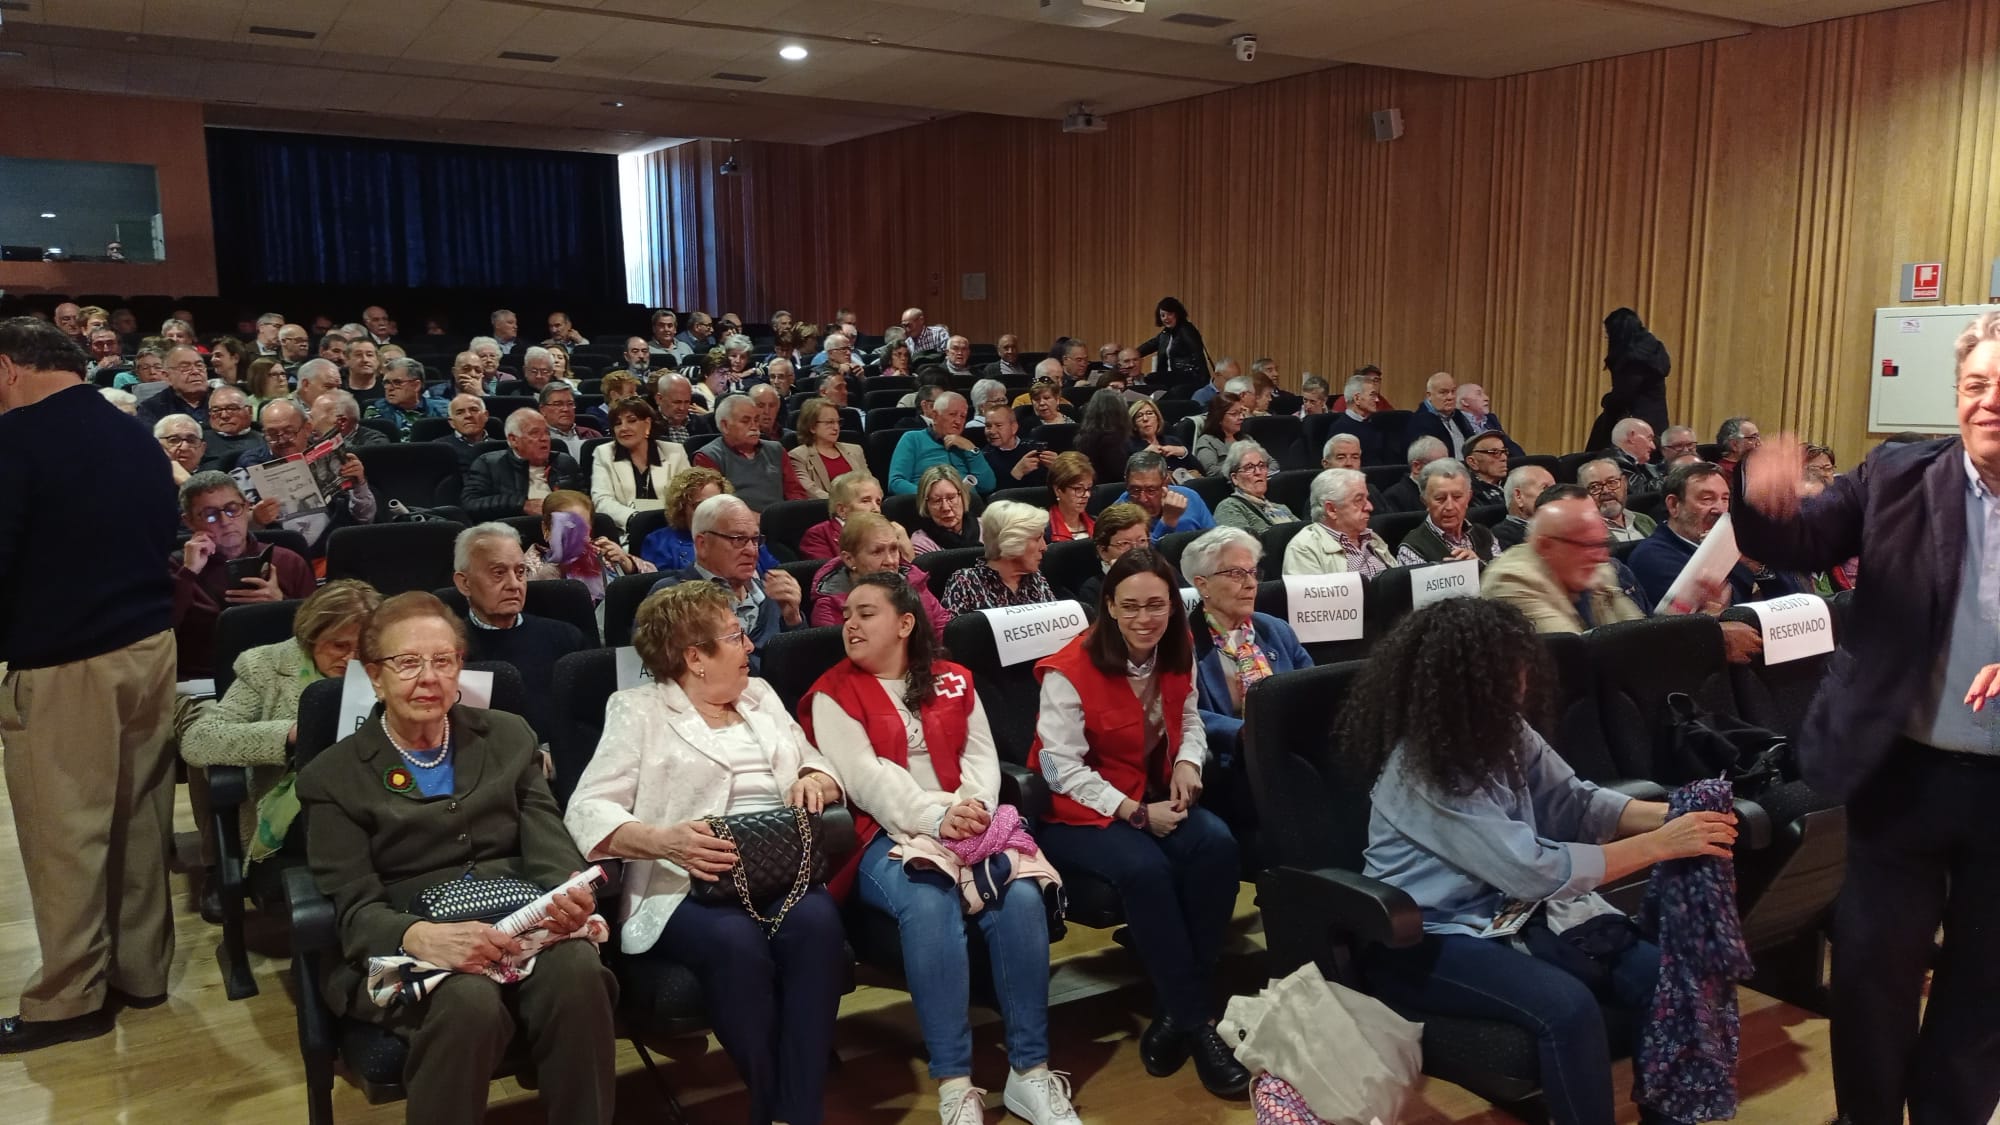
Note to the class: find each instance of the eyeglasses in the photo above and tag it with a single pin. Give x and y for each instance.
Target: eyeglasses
(1971, 389)
(1687, 446)
(1129, 611)
(1236, 574)
(226, 512)
(410, 665)
(1259, 469)
(736, 638)
(228, 408)
(1605, 488)
(281, 436)
(1137, 490)
(740, 541)
(1493, 451)
(1586, 544)
(1082, 487)
(181, 439)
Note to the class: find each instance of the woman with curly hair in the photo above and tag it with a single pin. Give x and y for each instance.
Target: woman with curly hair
(1501, 845)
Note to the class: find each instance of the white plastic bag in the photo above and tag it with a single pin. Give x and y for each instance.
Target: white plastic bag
(1351, 1057)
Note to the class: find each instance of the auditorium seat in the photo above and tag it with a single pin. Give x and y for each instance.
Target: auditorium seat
(796, 659)
(562, 599)
(1037, 496)
(1059, 437)
(1103, 494)
(1282, 437)
(1274, 598)
(1293, 488)
(1275, 540)
(421, 474)
(1568, 463)
(1393, 526)
(1212, 490)
(1317, 906)
(1173, 544)
(622, 596)
(1069, 564)
(939, 566)
(785, 523)
(1383, 477)
(394, 558)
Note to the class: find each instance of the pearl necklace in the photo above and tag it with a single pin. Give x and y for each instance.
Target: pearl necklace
(443, 749)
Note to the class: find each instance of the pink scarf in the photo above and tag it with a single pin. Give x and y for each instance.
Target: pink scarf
(1003, 832)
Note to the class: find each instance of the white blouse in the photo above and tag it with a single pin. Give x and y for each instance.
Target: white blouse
(907, 802)
(752, 785)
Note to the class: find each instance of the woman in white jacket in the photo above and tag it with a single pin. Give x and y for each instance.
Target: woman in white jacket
(705, 739)
(907, 735)
(630, 472)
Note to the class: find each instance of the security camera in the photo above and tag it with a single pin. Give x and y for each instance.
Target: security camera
(1246, 47)
(728, 167)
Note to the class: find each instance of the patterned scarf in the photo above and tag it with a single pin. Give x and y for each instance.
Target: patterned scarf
(1240, 645)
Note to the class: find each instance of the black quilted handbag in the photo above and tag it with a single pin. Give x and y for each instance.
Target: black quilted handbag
(779, 856)
(468, 899)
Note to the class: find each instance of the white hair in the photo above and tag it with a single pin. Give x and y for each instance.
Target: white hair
(1624, 428)
(837, 340)
(488, 341)
(1336, 487)
(174, 422)
(1050, 368)
(1355, 385)
(475, 537)
(535, 353)
(946, 400)
(762, 390)
(1238, 450)
(1427, 449)
(341, 403)
(1007, 526)
(1203, 557)
(776, 360)
(498, 313)
(737, 343)
(1519, 477)
(730, 407)
(710, 512)
(984, 389)
(123, 400)
(1240, 385)
(1444, 468)
(264, 415)
(1338, 439)
(320, 371)
(354, 332)
(520, 419)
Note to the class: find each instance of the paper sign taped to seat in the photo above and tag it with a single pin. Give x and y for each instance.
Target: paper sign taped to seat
(1324, 607)
(1030, 632)
(631, 670)
(357, 695)
(1190, 600)
(1456, 579)
(1794, 627)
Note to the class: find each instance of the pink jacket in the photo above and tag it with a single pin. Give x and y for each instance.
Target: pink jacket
(830, 586)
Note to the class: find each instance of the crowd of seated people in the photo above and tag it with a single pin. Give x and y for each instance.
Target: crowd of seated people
(711, 431)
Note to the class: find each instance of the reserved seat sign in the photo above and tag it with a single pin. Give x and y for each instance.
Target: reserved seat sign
(1030, 632)
(1795, 626)
(1324, 607)
(1438, 581)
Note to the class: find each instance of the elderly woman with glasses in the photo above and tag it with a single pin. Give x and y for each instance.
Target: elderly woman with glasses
(704, 738)
(1121, 742)
(427, 792)
(1249, 467)
(944, 506)
(1011, 573)
(1149, 433)
(1234, 648)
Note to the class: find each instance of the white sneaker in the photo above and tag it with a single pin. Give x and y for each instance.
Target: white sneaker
(1041, 1097)
(968, 1108)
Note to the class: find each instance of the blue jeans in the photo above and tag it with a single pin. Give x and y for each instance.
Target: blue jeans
(931, 919)
(1483, 978)
(1178, 890)
(771, 998)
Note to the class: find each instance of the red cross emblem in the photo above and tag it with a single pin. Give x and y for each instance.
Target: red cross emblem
(949, 685)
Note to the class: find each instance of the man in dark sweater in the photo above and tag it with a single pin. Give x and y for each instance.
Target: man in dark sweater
(491, 570)
(216, 513)
(513, 481)
(87, 703)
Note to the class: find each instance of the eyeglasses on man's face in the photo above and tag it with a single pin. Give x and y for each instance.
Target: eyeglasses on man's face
(739, 541)
(181, 439)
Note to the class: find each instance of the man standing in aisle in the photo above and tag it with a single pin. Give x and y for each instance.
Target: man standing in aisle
(87, 702)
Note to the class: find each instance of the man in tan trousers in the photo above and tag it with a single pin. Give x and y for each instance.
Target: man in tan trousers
(87, 514)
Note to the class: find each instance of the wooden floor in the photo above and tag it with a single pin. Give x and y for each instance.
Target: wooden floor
(201, 1058)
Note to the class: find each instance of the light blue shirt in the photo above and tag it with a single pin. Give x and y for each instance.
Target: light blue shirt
(1464, 857)
(745, 607)
(1197, 517)
(1947, 723)
(918, 450)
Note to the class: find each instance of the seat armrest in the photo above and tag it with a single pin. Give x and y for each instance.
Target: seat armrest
(1638, 788)
(1370, 911)
(1024, 789)
(1753, 826)
(312, 912)
(228, 786)
(613, 883)
(836, 825)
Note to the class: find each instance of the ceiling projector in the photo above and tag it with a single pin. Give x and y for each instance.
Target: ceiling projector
(1081, 120)
(1090, 13)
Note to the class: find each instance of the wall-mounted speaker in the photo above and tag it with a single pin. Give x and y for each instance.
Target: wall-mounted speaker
(1388, 124)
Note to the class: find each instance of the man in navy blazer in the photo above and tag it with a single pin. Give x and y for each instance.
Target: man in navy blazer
(1892, 734)
(1438, 416)
(726, 542)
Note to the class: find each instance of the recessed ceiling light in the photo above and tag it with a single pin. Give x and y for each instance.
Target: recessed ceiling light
(48, 214)
(792, 52)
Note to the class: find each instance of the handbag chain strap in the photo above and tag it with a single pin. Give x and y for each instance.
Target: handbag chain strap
(800, 882)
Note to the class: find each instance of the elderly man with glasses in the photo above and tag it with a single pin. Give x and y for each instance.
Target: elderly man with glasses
(1562, 577)
(726, 545)
(229, 434)
(403, 401)
(187, 388)
(180, 436)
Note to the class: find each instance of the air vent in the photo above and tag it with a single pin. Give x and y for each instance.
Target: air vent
(1196, 19)
(528, 56)
(283, 32)
(729, 76)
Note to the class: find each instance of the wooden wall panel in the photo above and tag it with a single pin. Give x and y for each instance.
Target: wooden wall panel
(56, 125)
(1752, 197)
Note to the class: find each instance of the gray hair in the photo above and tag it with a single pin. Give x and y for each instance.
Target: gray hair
(1336, 487)
(1730, 430)
(1987, 327)
(1326, 451)
(475, 537)
(226, 389)
(1145, 461)
(1444, 468)
(200, 484)
(984, 388)
(1203, 557)
(407, 365)
(762, 391)
(731, 406)
(710, 512)
(1605, 461)
(1007, 525)
(1238, 450)
(837, 340)
(1050, 368)
(1312, 382)
(1519, 477)
(1667, 434)
(776, 360)
(320, 370)
(123, 400)
(341, 403)
(670, 379)
(473, 344)
(522, 418)
(535, 353)
(1624, 429)
(555, 387)
(271, 318)
(174, 422)
(498, 313)
(893, 335)
(264, 415)
(947, 399)
(737, 343)
(1428, 449)
(1240, 385)
(354, 331)
(1355, 385)
(176, 322)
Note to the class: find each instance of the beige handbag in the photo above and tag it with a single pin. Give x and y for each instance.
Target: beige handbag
(1352, 1058)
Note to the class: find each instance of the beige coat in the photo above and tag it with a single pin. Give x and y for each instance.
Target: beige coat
(1519, 578)
(614, 490)
(654, 765)
(248, 725)
(1314, 552)
(811, 472)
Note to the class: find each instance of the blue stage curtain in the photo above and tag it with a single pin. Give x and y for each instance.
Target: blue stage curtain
(294, 209)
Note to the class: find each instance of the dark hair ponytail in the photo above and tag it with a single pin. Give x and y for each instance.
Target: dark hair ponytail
(920, 649)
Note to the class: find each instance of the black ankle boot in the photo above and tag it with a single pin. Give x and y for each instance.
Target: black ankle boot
(1216, 1063)
(1164, 1047)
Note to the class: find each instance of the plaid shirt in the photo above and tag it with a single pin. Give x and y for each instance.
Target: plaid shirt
(933, 338)
(1360, 559)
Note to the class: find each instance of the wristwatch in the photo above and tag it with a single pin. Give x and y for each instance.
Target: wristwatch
(1138, 818)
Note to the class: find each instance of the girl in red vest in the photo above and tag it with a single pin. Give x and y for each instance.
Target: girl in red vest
(925, 770)
(1121, 743)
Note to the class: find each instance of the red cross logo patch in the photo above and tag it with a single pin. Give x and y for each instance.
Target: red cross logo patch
(949, 685)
